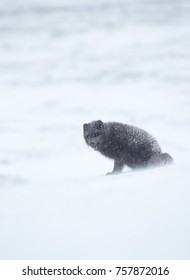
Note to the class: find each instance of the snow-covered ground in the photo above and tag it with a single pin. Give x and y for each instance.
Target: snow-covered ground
(63, 63)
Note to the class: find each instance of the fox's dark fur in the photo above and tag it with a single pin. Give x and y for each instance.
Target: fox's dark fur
(125, 144)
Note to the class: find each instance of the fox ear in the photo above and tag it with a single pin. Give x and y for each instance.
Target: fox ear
(85, 126)
(99, 124)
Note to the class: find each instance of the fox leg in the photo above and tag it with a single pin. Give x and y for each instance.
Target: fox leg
(118, 167)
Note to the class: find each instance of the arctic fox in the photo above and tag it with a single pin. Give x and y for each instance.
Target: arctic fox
(125, 144)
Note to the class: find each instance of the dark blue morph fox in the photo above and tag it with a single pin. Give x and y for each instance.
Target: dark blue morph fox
(125, 144)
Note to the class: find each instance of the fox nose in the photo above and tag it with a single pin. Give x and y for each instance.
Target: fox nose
(92, 144)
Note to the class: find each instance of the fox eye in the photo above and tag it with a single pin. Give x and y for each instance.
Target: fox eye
(96, 134)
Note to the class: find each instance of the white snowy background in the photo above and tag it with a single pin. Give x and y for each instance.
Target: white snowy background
(66, 62)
